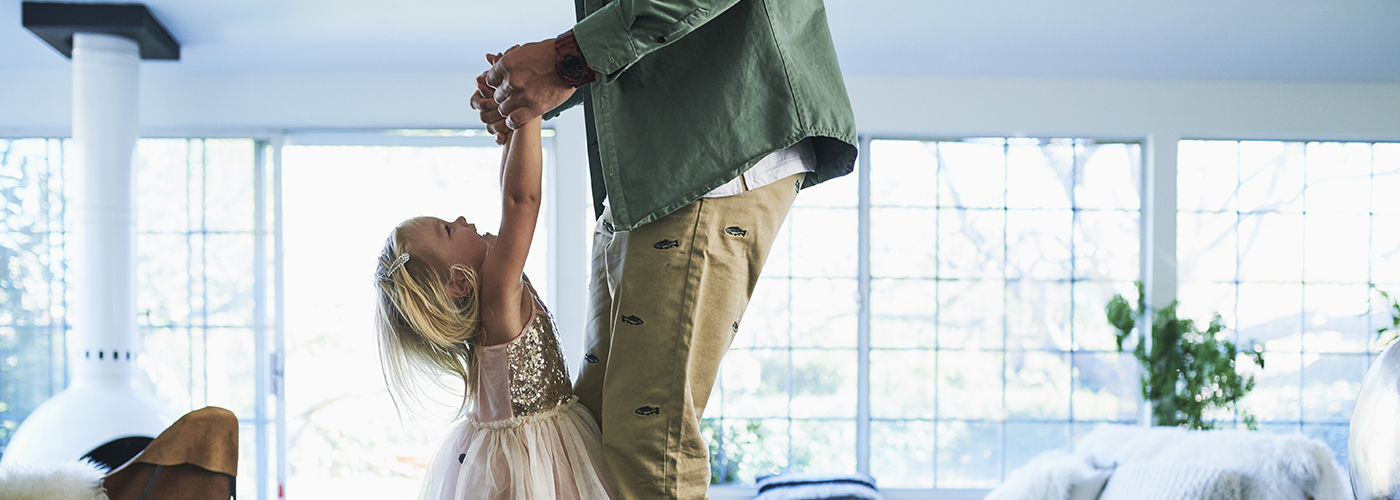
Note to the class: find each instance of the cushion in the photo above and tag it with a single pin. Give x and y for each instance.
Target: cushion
(1053, 475)
(1171, 481)
(1090, 486)
(806, 486)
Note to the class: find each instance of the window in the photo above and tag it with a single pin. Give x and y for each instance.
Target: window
(935, 318)
(33, 277)
(343, 193)
(787, 390)
(1285, 241)
(204, 288)
(986, 264)
(203, 321)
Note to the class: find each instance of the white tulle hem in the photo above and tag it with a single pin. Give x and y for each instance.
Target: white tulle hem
(555, 454)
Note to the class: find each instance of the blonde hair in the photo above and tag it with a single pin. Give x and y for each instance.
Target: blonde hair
(423, 330)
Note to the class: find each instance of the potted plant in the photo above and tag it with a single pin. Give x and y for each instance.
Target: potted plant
(1187, 372)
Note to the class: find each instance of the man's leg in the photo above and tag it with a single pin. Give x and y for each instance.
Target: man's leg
(688, 277)
(608, 247)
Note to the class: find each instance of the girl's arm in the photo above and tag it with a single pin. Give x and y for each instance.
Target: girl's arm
(505, 155)
(502, 291)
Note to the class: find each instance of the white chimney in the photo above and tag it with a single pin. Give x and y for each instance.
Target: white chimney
(101, 406)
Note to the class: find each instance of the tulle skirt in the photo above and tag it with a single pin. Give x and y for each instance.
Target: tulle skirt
(556, 454)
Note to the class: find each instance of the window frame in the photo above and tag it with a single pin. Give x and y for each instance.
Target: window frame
(263, 278)
(1304, 146)
(864, 278)
(1158, 213)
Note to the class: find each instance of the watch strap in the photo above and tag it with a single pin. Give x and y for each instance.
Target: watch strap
(569, 61)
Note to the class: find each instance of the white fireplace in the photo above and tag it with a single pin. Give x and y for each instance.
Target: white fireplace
(100, 405)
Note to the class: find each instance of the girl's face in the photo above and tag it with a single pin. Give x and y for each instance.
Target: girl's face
(455, 242)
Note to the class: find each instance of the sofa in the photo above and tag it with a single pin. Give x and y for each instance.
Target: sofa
(1117, 462)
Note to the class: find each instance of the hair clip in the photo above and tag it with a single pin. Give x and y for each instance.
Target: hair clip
(398, 263)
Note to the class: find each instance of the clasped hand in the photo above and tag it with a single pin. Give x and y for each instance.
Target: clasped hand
(521, 85)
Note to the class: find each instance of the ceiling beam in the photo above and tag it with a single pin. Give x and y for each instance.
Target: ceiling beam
(55, 23)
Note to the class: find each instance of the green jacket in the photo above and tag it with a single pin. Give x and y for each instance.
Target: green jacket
(691, 93)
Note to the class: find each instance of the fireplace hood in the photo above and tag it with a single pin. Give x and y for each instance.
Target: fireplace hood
(100, 415)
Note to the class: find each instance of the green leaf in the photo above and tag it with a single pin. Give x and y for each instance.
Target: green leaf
(1187, 372)
(1120, 315)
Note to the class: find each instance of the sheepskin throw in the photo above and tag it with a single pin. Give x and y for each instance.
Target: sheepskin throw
(72, 481)
(801, 486)
(1179, 463)
(1269, 466)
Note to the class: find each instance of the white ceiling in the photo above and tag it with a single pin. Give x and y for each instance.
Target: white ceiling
(1250, 40)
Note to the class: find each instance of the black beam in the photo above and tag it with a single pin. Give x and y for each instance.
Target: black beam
(56, 23)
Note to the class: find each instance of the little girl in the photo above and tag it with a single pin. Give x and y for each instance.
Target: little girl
(455, 302)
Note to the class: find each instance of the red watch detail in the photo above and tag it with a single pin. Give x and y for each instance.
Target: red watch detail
(569, 61)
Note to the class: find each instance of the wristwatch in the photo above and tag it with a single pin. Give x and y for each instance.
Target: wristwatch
(569, 62)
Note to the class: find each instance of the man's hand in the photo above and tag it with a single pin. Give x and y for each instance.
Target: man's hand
(526, 83)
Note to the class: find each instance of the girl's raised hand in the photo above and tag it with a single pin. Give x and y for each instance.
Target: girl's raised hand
(484, 100)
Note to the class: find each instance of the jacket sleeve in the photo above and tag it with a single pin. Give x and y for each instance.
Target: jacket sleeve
(573, 100)
(616, 36)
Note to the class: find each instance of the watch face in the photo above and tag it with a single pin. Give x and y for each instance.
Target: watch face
(573, 67)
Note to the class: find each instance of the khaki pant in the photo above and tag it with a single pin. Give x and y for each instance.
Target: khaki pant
(656, 332)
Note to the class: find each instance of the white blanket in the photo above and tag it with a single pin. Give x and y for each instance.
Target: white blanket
(1256, 465)
(1269, 466)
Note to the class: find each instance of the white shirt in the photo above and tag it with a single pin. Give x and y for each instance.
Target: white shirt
(777, 165)
(796, 159)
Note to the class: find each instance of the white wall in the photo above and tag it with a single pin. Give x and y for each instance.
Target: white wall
(35, 100)
(1127, 109)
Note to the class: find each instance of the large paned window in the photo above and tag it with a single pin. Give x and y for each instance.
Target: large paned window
(786, 398)
(33, 277)
(1285, 240)
(203, 288)
(203, 304)
(939, 312)
(343, 194)
(934, 319)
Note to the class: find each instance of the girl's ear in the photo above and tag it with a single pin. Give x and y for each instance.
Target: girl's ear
(458, 286)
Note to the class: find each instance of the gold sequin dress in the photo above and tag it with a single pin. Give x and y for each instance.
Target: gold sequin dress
(527, 437)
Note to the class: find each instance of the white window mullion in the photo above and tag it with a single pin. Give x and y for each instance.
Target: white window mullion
(1159, 220)
(570, 225)
(863, 314)
(1158, 247)
(260, 330)
(279, 346)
